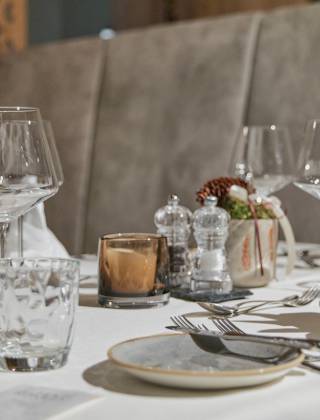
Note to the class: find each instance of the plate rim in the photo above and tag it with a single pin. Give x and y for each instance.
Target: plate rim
(239, 373)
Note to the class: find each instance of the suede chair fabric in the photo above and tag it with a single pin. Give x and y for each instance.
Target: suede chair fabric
(171, 101)
(156, 111)
(63, 80)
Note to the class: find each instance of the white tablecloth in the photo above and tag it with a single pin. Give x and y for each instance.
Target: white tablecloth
(296, 396)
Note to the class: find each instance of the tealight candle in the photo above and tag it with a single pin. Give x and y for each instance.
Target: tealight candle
(133, 270)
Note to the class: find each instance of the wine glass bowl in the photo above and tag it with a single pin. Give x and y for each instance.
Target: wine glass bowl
(309, 160)
(27, 172)
(54, 151)
(26, 176)
(19, 113)
(59, 179)
(308, 178)
(263, 156)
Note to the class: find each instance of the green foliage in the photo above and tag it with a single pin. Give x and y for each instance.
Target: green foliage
(238, 209)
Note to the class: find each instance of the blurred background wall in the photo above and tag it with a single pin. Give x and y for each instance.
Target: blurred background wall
(13, 25)
(28, 22)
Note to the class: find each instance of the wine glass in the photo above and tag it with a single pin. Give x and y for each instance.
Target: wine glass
(263, 156)
(59, 175)
(308, 178)
(54, 151)
(309, 160)
(27, 174)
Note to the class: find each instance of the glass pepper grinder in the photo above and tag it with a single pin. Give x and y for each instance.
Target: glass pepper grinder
(210, 224)
(174, 222)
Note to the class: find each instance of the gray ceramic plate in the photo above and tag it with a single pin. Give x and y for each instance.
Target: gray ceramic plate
(174, 360)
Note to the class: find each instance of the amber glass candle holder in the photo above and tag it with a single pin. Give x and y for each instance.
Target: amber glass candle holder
(133, 270)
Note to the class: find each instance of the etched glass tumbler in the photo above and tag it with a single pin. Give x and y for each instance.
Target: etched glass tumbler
(38, 297)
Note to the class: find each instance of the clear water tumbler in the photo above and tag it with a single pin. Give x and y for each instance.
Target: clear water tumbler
(38, 297)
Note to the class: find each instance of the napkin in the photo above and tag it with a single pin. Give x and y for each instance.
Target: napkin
(38, 239)
(39, 403)
(209, 296)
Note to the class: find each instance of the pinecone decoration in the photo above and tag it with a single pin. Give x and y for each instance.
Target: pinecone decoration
(219, 187)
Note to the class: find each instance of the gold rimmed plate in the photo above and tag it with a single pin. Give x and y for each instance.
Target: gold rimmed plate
(174, 360)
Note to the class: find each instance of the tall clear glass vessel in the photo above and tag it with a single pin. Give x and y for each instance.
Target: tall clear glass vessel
(263, 155)
(27, 173)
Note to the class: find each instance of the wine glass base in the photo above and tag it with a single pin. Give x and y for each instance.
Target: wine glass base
(217, 287)
(33, 363)
(132, 302)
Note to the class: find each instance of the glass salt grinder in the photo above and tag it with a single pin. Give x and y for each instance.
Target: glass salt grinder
(174, 222)
(210, 225)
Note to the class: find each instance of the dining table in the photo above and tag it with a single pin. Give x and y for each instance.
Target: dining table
(118, 395)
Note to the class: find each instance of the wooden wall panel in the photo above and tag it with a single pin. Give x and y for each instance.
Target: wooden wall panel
(127, 14)
(194, 9)
(13, 25)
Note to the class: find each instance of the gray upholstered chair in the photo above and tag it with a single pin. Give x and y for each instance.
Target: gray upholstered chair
(156, 111)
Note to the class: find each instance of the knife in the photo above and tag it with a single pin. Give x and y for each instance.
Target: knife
(297, 343)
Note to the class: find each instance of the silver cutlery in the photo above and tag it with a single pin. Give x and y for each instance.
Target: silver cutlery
(311, 364)
(225, 326)
(234, 333)
(209, 340)
(221, 310)
(214, 342)
(304, 255)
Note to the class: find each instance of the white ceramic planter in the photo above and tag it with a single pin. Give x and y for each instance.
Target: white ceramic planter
(243, 256)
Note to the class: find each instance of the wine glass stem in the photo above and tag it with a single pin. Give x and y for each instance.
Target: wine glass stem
(20, 237)
(3, 234)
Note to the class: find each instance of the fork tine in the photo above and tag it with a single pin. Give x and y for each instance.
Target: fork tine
(226, 326)
(315, 294)
(219, 325)
(234, 328)
(229, 328)
(182, 322)
(179, 321)
(188, 322)
(215, 323)
(312, 292)
(176, 321)
(309, 295)
(306, 295)
(223, 326)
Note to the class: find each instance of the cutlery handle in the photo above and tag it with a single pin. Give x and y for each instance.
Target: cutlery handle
(310, 365)
(297, 343)
(290, 342)
(243, 307)
(309, 260)
(247, 309)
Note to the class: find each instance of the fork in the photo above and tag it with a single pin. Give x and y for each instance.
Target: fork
(295, 300)
(226, 326)
(184, 324)
(210, 341)
(307, 296)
